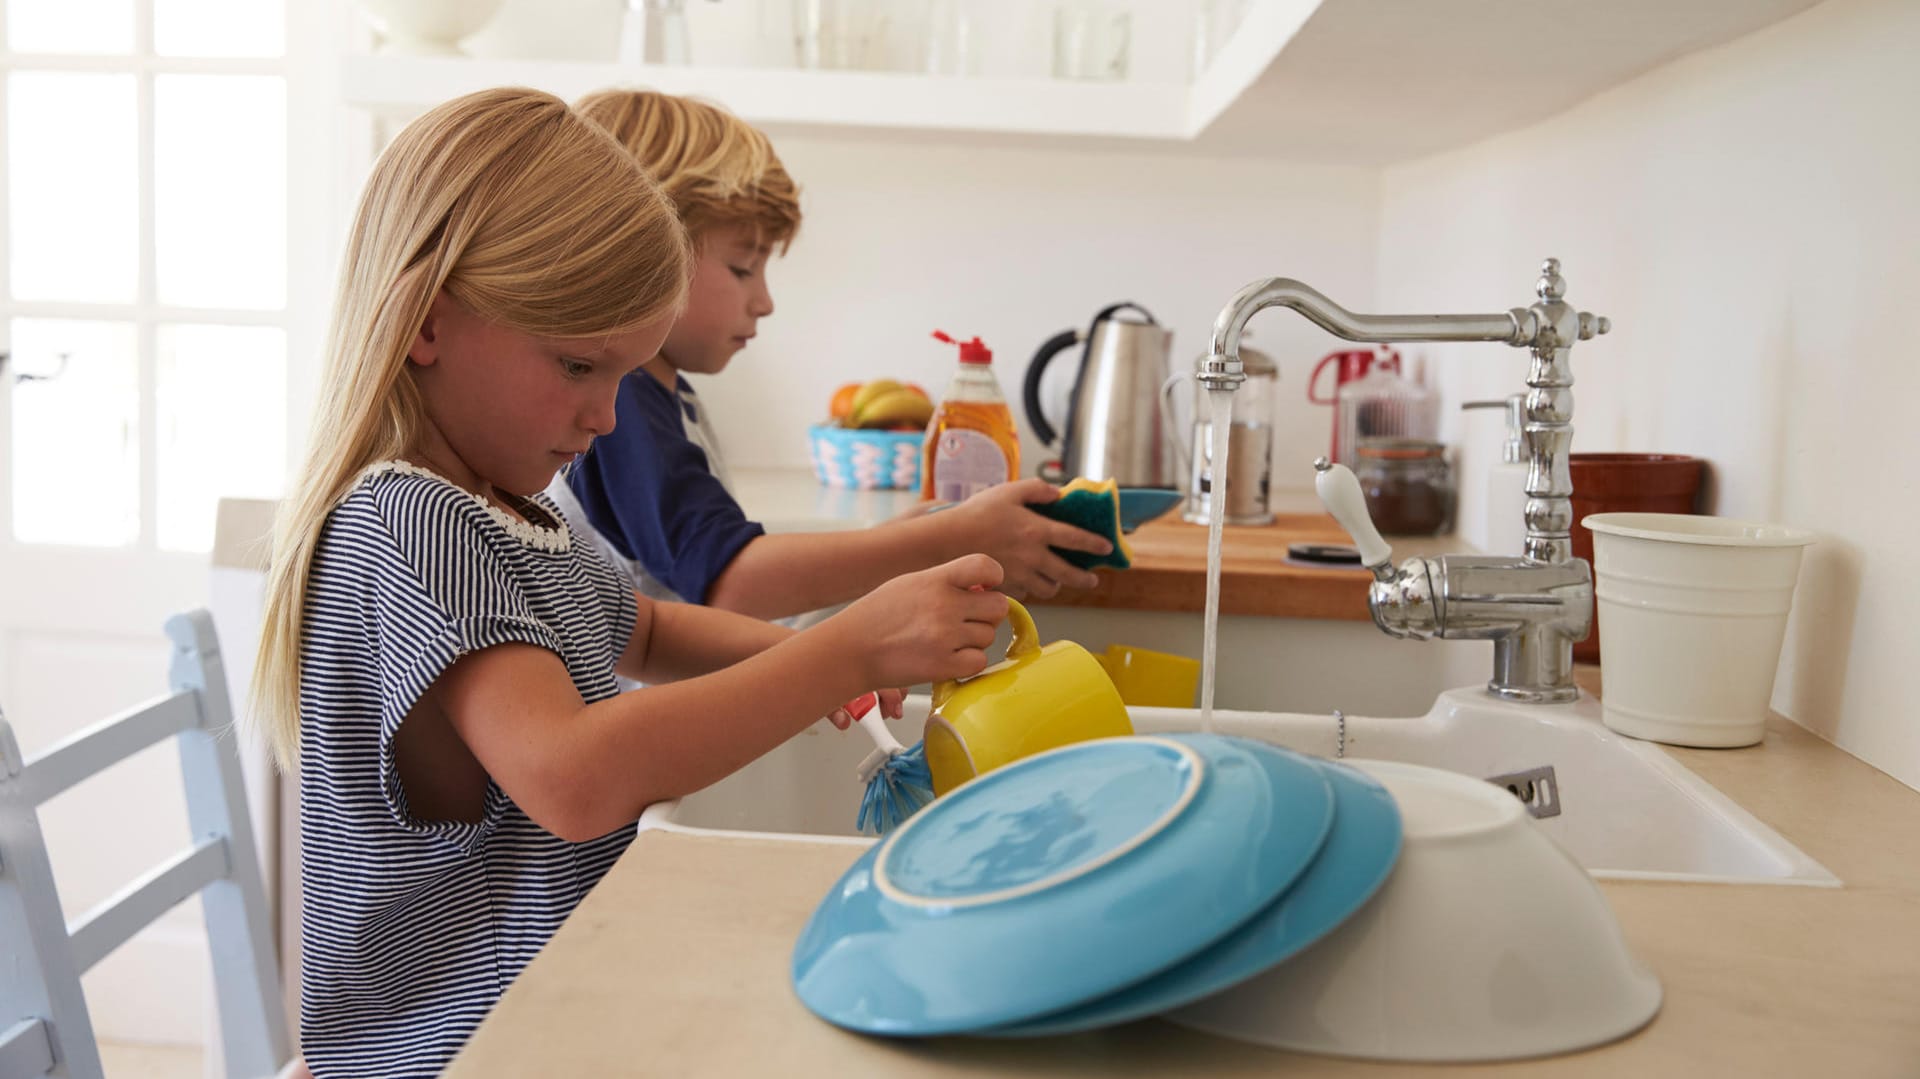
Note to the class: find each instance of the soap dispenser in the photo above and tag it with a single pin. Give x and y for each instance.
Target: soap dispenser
(1505, 530)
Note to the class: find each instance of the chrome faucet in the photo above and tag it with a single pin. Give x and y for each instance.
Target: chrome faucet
(1535, 605)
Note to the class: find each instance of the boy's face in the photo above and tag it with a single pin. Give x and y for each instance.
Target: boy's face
(507, 408)
(729, 296)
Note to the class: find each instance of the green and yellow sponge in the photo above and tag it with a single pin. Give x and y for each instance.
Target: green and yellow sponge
(1094, 506)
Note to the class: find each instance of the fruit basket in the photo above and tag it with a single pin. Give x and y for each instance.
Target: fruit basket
(865, 460)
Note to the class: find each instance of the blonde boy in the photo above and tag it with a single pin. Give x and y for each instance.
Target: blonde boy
(654, 491)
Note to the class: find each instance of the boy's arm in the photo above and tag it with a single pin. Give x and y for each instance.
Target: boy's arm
(672, 641)
(777, 575)
(781, 574)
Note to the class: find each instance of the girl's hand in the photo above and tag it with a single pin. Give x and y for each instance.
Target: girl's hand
(997, 522)
(891, 702)
(925, 627)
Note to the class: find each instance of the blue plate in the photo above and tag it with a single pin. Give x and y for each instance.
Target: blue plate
(1056, 880)
(1354, 863)
(1138, 505)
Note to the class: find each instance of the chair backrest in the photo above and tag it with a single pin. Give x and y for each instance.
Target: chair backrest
(44, 1028)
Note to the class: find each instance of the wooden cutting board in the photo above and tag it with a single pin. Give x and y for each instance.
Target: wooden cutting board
(1170, 565)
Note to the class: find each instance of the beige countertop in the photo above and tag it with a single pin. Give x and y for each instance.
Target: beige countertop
(677, 964)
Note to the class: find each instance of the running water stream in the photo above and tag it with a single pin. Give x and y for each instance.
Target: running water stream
(1219, 441)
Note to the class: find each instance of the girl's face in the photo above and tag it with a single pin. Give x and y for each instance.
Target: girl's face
(729, 296)
(507, 409)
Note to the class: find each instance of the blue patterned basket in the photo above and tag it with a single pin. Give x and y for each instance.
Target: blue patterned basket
(865, 460)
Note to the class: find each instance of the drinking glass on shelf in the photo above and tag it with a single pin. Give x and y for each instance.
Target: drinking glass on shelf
(841, 34)
(1091, 40)
(1213, 23)
(954, 28)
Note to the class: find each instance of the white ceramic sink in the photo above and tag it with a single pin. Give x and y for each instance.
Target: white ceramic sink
(1627, 809)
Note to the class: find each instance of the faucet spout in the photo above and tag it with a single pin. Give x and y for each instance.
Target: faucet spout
(1221, 368)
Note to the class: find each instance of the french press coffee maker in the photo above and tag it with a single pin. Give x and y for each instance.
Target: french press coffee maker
(1249, 444)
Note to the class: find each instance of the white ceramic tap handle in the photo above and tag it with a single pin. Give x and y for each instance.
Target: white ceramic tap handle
(1339, 491)
(886, 745)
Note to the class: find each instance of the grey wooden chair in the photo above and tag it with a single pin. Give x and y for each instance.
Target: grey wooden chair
(44, 1027)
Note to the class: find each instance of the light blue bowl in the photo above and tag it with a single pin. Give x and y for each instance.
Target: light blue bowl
(1356, 860)
(1138, 505)
(866, 460)
(1057, 880)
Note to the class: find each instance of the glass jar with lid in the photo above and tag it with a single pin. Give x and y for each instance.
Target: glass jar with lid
(1408, 485)
(1249, 446)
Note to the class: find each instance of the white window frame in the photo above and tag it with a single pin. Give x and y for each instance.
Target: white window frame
(308, 67)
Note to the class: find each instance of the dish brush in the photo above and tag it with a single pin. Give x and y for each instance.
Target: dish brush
(896, 778)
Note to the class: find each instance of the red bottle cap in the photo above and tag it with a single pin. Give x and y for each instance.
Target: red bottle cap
(970, 351)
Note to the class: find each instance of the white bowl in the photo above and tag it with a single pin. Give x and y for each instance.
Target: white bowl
(427, 27)
(1488, 942)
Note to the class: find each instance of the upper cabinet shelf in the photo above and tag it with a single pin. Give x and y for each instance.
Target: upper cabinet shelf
(1350, 81)
(852, 99)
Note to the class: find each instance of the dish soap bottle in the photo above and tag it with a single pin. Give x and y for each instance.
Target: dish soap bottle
(972, 443)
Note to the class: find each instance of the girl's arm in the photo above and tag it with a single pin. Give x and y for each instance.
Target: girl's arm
(581, 770)
(778, 575)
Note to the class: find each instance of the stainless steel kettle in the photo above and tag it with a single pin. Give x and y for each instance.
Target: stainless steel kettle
(1114, 429)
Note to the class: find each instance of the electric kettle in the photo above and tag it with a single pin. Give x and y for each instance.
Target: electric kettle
(1113, 427)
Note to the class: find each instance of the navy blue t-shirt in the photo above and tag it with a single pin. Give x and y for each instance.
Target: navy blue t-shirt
(651, 494)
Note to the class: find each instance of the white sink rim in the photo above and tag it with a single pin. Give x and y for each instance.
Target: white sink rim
(1579, 721)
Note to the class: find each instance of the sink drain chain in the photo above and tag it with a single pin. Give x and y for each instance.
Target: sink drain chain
(1537, 789)
(1340, 736)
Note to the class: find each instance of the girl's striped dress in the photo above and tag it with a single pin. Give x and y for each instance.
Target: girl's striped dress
(413, 928)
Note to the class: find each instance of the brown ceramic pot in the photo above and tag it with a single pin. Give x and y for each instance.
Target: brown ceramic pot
(1628, 483)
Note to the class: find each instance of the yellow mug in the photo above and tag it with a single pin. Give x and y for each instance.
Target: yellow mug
(1147, 678)
(1038, 698)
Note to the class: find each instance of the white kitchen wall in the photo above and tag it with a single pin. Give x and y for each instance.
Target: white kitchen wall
(1750, 219)
(1016, 244)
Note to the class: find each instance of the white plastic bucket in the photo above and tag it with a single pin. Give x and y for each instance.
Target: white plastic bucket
(1694, 610)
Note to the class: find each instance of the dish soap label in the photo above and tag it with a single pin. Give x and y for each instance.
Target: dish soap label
(964, 464)
(972, 443)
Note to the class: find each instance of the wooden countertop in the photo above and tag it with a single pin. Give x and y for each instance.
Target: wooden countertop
(1170, 556)
(676, 965)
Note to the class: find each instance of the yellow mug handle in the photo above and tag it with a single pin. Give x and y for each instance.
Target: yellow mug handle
(1026, 638)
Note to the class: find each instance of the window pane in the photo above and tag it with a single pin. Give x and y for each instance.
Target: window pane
(221, 411)
(70, 26)
(221, 190)
(220, 171)
(219, 27)
(76, 457)
(74, 200)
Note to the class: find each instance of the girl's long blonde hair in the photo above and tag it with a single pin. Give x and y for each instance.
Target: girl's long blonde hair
(718, 169)
(523, 212)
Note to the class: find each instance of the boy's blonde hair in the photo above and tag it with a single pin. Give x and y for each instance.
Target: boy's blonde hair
(521, 211)
(719, 170)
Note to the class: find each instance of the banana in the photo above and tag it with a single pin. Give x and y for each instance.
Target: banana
(899, 408)
(868, 393)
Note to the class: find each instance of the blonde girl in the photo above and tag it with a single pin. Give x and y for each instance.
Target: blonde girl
(440, 654)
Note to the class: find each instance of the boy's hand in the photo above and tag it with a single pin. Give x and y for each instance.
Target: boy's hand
(926, 626)
(997, 522)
